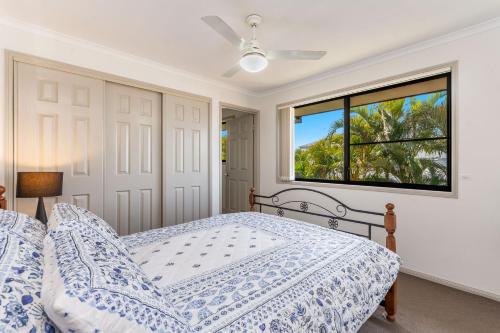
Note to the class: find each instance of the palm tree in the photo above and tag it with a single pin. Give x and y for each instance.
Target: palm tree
(414, 162)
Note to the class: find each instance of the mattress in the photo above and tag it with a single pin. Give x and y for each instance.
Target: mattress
(253, 272)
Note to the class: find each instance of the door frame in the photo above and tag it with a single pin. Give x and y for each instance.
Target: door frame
(256, 146)
(12, 58)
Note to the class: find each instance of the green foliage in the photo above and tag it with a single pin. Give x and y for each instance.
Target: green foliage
(224, 147)
(324, 159)
(416, 162)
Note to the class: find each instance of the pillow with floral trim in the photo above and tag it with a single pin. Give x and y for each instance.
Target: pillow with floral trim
(92, 285)
(64, 214)
(21, 270)
(23, 226)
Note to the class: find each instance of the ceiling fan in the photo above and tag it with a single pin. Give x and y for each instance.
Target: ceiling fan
(253, 57)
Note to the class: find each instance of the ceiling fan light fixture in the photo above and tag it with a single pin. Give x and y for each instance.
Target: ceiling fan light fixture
(253, 62)
(253, 57)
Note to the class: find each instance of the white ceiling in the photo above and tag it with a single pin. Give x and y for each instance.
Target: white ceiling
(171, 32)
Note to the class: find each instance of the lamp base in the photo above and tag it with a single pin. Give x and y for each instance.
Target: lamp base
(40, 211)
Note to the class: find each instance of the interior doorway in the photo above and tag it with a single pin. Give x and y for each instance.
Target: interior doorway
(238, 158)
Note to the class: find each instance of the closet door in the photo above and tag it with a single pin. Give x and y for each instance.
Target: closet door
(132, 190)
(59, 128)
(186, 162)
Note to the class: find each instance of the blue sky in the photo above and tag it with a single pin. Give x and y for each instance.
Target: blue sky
(315, 127)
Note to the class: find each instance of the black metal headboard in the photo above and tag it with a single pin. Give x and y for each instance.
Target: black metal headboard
(337, 212)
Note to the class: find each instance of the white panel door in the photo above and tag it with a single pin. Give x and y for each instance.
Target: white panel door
(59, 128)
(132, 189)
(186, 144)
(239, 163)
(224, 188)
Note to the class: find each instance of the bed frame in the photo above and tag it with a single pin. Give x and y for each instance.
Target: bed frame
(336, 212)
(3, 201)
(339, 213)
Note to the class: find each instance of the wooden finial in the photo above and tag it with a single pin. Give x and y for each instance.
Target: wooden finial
(390, 227)
(251, 199)
(390, 243)
(3, 201)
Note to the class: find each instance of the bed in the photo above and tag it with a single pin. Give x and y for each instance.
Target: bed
(256, 272)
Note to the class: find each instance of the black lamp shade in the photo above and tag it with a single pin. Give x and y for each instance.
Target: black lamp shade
(39, 184)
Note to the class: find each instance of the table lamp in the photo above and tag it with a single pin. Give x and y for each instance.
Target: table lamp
(39, 185)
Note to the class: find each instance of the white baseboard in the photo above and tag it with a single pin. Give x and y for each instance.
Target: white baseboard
(451, 284)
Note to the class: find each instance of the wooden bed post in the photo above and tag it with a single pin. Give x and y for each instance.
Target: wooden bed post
(3, 201)
(251, 199)
(390, 243)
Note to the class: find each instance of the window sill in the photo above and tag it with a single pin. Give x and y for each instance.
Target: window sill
(451, 195)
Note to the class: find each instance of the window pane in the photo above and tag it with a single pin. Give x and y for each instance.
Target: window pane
(319, 142)
(336, 104)
(408, 116)
(223, 138)
(415, 162)
(410, 89)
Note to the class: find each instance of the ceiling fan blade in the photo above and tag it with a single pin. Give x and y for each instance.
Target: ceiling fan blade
(294, 54)
(224, 30)
(233, 70)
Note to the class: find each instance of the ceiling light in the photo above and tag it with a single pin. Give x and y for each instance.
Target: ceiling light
(253, 62)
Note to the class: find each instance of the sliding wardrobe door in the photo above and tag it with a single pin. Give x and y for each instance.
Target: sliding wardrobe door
(58, 127)
(132, 191)
(186, 144)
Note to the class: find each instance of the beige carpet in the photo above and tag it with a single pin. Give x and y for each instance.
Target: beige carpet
(429, 307)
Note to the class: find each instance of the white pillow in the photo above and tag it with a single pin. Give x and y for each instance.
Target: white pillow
(23, 226)
(64, 213)
(21, 270)
(91, 284)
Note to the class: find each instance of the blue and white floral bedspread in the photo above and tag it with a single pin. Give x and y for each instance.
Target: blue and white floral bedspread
(252, 272)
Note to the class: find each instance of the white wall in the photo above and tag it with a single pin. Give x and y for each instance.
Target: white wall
(457, 240)
(19, 37)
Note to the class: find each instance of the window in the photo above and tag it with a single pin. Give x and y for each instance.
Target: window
(223, 140)
(395, 136)
(319, 141)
